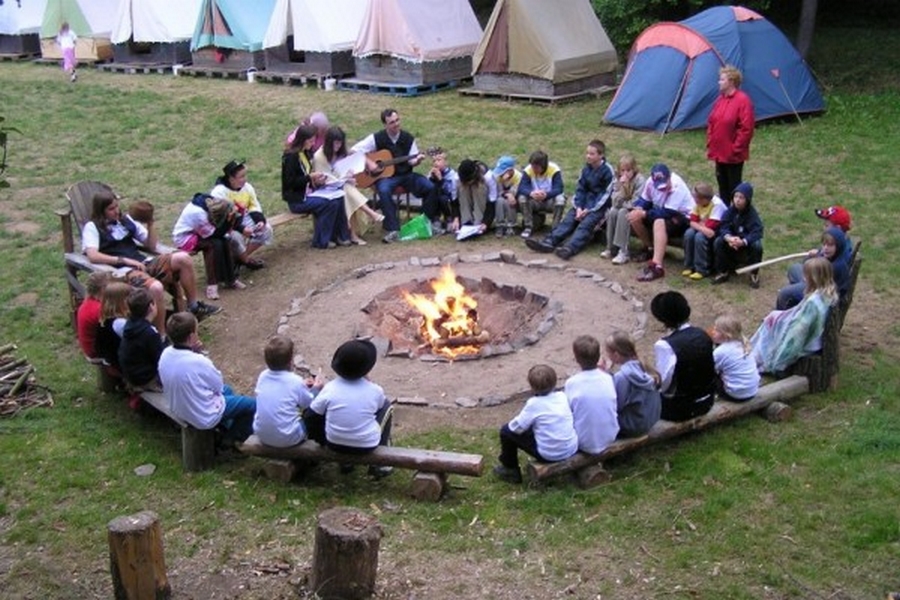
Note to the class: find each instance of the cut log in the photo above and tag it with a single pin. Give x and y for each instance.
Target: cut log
(778, 412)
(198, 449)
(721, 412)
(428, 487)
(345, 555)
(136, 558)
(428, 461)
(593, 476)
(280, 470)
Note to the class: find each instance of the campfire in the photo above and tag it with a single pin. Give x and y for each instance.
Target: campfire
(449, 318)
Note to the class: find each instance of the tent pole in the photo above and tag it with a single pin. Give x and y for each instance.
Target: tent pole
(777, 75)
(675, 105)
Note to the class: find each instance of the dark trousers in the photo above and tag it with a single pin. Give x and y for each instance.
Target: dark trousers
(728, 177)
(218, 260)
(728, 259)
(436, 206)
(315, 430)
(582, 231)
(510, 444)
(417, 184)
(331, 220)
(680, 408)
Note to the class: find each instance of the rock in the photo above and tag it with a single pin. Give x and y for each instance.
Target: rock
(145, 470)
(466, 402)
(431, 262)
(383, 345)
(492, 256)
(508, 256)
(414, 261)
(412, 401)
(537, 263)
(450, 259)
(471, 258)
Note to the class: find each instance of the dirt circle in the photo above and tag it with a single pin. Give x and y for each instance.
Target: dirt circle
(586, 303)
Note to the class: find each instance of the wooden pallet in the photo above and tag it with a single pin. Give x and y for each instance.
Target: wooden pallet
(215, 73)
(18, 56)
(135, 68)
(295, 78)
(395, 89)
(55, 62)
(537, 98)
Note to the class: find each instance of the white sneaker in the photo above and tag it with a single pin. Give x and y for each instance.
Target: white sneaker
(238, 285)
(621, 258)
(606, 254)
(212, 292)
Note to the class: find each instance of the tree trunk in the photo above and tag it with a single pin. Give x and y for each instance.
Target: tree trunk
(345, 556)
(136, 558)
(807, 27)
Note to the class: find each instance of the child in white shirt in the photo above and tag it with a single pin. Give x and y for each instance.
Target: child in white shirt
(544, 429)
(737, 377)
(282, 396)
(592, 398)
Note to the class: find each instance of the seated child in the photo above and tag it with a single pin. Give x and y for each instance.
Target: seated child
(87, 318)
(785, 336)
(737, 379)
(739, 239)
(476, 196)
(282, 396)
(356, 413)
(541, 191)
(627, 188)
(508, 177)
(544, 428)
(141, 344)
(701, 232)
(592, 398)
(836, 248)
(637, 386)
(684, 360)
(113, 314)
(194, 387)
(441, 203)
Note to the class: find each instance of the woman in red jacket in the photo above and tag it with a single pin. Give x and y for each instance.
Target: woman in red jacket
(729, 130)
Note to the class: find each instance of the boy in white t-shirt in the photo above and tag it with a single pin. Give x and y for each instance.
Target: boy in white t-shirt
(544, 429)
(282, 396)
(592, 398)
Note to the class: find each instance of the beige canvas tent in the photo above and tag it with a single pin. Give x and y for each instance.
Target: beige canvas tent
(91, 20)
(154, 31)
(416, 41)
(20, 26)
(544, 48)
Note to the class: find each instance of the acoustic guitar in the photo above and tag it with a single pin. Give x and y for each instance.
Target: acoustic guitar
(385, 163)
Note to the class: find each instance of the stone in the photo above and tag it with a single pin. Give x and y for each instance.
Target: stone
(283, 329)
(433, 358)
(537, 263)
(492, 257)
(617, 288)
(414, 261)
(383, 345)
(582, 273)
(450, 259)
(466, 402)
(488, 286)
(471, 258)
(431, 262)
(598, 278)
(412, 401)
(508, 256)
(145, 470)
(400, 353)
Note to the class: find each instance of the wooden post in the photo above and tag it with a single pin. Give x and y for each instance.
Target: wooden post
(198, 449)
(136, 558)
(428, 487)
(345, 557)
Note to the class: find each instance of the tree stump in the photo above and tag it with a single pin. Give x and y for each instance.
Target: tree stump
(428, 487)
(778, 411)
(136, 558)
(198, 449)
(592, 476)
(345, 557)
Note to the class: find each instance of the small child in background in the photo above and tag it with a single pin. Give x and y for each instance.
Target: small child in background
(626, 191)
(282, 396)
(637, 386)
(441, 206)
(737, 378)
(544, 428)
(87, 318)
(357, 415)
(592, 398)
(701, 232)
(113, 315)
(508, 177)
(141, 344)
(67, 39)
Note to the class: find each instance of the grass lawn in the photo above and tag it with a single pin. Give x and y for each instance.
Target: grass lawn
(803, 509)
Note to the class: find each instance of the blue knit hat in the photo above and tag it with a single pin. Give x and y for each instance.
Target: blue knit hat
(746, 189)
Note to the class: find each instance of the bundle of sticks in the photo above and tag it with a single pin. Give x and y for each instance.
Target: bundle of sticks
(18, 390)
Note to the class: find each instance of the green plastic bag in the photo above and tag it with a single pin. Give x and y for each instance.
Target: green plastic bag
(417, 228)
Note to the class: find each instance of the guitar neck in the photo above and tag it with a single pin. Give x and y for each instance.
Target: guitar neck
(396, 161)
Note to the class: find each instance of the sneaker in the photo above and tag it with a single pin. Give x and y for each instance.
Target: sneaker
(212, 292)
(621, 258)
(237, 284)
(542, 246)
(754, 281)
(606, 254)
(201, 310)
(564, 252)
(687, 272)
(437, 228)
(696, 276)
(720, 278)
(526, 233)
(391, 237)
(74, 77)
(332, 245)
(510, 231)
(380, 472)
(651, 272)
(498, 232)
(508, 474)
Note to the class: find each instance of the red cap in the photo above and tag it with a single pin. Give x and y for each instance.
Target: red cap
(836, 215)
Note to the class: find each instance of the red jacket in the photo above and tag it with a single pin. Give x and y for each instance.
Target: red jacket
(730, 129)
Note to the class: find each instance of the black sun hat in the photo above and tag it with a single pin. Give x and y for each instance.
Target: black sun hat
(354, 359)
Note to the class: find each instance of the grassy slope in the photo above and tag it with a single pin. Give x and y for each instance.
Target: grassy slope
(745, 512)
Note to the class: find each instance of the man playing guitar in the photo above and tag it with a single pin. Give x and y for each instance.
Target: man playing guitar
(405, 155)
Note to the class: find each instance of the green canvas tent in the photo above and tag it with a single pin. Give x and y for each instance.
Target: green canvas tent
(91, 20)
(229, 34)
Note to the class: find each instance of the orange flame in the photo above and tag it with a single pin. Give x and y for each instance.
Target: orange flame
(449, 314)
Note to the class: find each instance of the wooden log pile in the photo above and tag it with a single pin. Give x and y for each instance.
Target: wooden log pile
(18, 389)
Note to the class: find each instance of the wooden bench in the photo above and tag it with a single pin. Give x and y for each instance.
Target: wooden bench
(432, 466)
(822, 368)
(198, 446)
(588, 467)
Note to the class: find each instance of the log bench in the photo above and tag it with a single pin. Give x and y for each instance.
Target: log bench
(431, 466)
(198, 446)
(588, 467)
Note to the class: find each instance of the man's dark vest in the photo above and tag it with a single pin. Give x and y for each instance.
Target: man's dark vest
(693, 382)
(401, 148)
(125, 247)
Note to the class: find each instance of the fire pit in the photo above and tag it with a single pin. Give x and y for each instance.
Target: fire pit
(513, 314)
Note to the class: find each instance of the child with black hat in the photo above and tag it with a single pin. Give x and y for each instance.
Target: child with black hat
(356, 413)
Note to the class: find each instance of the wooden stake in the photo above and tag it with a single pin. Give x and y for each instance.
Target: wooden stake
(136, 558)
(345, 556)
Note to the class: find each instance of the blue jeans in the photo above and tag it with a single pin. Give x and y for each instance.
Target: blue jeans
(791, 294)
(582, 231)
(697, 251)
(331, 220)
(417, 184)
(237, 420)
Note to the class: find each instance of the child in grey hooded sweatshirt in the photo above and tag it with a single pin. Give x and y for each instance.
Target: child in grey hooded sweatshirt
(637, 386)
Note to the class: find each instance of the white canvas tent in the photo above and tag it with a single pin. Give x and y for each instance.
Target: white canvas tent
(416, 41)
(313, 36)
(556, 47)
(20, 26)
(154, 31)
(91, 20)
